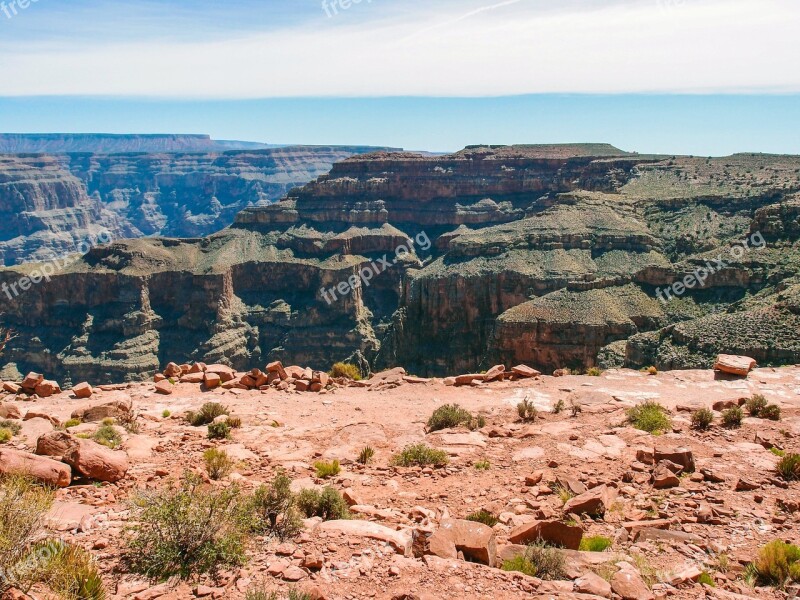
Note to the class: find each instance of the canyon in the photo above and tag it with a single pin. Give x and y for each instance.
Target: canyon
(554, 256)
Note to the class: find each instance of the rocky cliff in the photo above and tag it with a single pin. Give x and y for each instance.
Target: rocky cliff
(558, 256)
(51, 204)
(105, 143)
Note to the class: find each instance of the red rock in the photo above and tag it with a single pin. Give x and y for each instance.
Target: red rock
(83, 390)
(9, 411)
(475, 540)
(554, 532)
(594, 502)
(172, 370)
(165, 387)
(468, 379)
(37, 414)
(735, 365)
(321, 377)
(525, 371)
(628, 584)
(399, 540)
(47, 388)
(294, 372)
(593, 584)
(12, 387)
(97, 462)
(196, 377)
(212, 380)
(301, 385)
(664, 478)
(248, 381)
(158, 377)
(680, 456)
(41, 468)
(497, 372)
(109, 410)
(277, 367)
(32, 380)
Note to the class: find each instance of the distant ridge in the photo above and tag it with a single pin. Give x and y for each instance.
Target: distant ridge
(107, 143)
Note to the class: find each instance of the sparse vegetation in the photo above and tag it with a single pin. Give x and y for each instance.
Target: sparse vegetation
(540, 561)
(706, 579)
(327, 469)
(69, 571)
(732, 417)
(219, 430)
(771, 412)
(234, 422)
(5, 435)
(596, 543)
(186, 530)
(346, 370)
(260, 592)
(527, 411)
(166, 414)
(702, 419)
(366, 455)
(652, 370)
(327, 504)
(108, 436)
(218, 463)
(72, 423)
(650, 417)
(274, 509)
(756, 404)
(420, 455)
(482, 465)
(207, 413)
(452, 415)
(575, 408)
(789, 467)
(594, 372)
(778, 452)
(559, 406)
(777, 564)
(564, 494)
(485, 517)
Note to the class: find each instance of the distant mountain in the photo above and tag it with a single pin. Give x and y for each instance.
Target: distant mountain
(105, 143)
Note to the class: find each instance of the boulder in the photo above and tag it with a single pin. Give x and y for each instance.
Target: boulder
(593, 584)
(552, 532)
(681, 456)
(97, 462)
(38, 414)
(43, 469)
(11, 387)
(475, 540)
(196, 377)
(277, 367)
(9, 411)
(47, 388)
(212, 380)
(83, 390)
(172, 370)
(735, 365)
(55, 444)
(110, 410)
(399, 540)
(496, 372)
(525, 371)
(664, 478)
(628, 584)
(468, 379)
(594, 502)
(31, 381)
(165, 387)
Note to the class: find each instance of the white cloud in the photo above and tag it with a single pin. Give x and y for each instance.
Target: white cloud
(512, 48)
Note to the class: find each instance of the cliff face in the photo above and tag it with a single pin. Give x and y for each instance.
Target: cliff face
(49, 204)
(100, 143)
(554, 256)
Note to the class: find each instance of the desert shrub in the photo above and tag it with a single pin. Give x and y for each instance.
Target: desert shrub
(23, 507)
(595, 543)
(72, 423)
(12, 426)
(327, 469)
(420, 455)
(274, 509)
(526, 410)
(166, 414)
(540, 561)
(702, 419)
(219, 431)
(449, 416)
(260, 592)
(346, 370)
(186, 530)
(732, 418)
(706, 579)
(482, 465)
(564, 494)
(485, 517)
(789, 467)
(594, 372)
(6, 335)
(774, 563)
(650, 416)
(327, 504)
(575, 408)
(756, 404)
(69, 571)
(559, 406)
(129, 421)
(108, 436)
(218, 463)
(207, 413)
(5, 435)
(234, 422)
(366, 455)
(652, 371)
(778, 452)
(108, 422)
(771, 412)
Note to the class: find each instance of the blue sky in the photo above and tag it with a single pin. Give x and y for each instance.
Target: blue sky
(689, 76)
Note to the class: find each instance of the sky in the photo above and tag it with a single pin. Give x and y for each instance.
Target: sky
(676, 76)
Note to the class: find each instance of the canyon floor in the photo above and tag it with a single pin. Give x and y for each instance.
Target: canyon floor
(702, 524)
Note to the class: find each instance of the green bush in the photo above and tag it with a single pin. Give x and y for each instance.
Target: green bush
(12, 426)
(219, 431)
(650, 417)
(234, 422)
(482, 465)
(207, 413)
(527, 411)
(594, 372)
(108, 436)
(366, 455)
(485, 517)
(260, 592)
(789, 467)
(756, 404)
(166, 414)
(327, 504)
(559, 406)
(69, 571)
(706, 579)
(702, 419)
(327, 469)
(774, 564)
(420, 455)
(448, 417)
(187, 530)
(732, 418)
(771, 412)
(72, 423)
(539, 561)
(218, 463)
(596, 543)
(346, 370)
(5, 435)
(274, 509)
